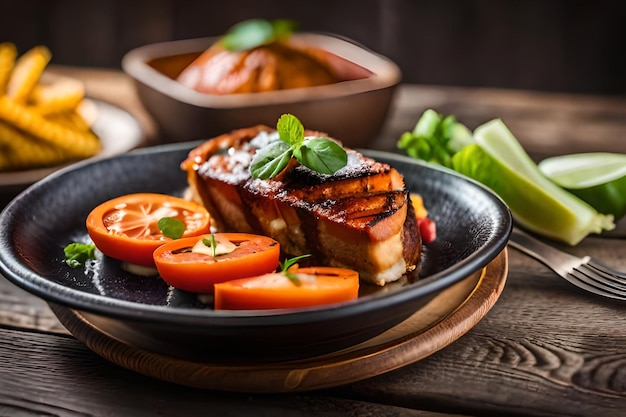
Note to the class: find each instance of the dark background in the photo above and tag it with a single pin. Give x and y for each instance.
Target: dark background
(560, 45)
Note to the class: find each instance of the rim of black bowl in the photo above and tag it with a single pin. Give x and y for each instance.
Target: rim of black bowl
(59, 294)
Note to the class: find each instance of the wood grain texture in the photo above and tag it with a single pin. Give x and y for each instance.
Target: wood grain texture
(22, 310)
(56, 375)
(546, 348)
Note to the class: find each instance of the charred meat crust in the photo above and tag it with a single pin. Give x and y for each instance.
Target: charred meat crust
(361, 217)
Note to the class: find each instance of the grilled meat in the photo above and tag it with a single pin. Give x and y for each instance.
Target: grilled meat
(359, 218)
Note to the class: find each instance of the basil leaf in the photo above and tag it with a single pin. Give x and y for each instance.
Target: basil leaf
(171, 227)
(321, 155)
(76, 254)
(290, 129)
(270, 160)
(247, 35)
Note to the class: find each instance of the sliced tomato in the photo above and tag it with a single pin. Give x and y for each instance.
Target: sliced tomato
(126, 227)
(198, 272)
(303, 287)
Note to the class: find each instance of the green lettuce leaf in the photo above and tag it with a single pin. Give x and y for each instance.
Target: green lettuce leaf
(494, 157)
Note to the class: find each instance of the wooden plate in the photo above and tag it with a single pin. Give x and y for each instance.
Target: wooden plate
(447, 317)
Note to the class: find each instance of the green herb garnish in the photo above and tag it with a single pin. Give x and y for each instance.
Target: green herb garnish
(319, 154)
(252, 33)
(171, 227)
(210, 242)
(77, 254)
(284, 267)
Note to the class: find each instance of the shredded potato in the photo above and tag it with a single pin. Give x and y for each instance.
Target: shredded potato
(41, 122)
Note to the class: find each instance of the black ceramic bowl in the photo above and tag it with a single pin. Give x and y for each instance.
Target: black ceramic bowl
(473, 227)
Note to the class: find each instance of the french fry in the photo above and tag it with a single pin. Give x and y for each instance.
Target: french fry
(26, 73)
(8, 53)
(75, 143)
(70, 119)
(44, 120)
(63, 95)
(20, 150)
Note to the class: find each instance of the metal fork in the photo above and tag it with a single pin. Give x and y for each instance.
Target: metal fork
(586, 273)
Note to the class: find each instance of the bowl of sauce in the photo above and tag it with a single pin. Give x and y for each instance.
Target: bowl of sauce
(196, 88)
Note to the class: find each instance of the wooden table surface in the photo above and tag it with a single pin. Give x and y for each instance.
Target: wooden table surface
(545, 348)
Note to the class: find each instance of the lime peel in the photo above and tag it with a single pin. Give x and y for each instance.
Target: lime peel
(599, 178)
(500, 162)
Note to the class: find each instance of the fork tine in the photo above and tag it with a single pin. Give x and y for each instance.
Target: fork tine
(603, 275)
(606, 269)
(590, 275)
(595, 286)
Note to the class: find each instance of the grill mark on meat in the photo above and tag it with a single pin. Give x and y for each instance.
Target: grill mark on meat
(360, 217)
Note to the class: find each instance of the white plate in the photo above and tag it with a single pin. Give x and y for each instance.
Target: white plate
(117, 129)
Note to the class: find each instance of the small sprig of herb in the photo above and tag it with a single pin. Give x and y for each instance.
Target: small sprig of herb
(284, 268)
(252, 33)
(211, 243)
(171, 227)
(319, 154)
(77, 254)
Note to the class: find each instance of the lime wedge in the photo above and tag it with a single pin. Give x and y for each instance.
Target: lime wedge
(599, 178)
(500, 162)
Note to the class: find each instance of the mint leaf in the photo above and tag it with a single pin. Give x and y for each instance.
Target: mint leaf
(171, 227)
(76, 254)
(283, 28)
(252, 33)
(321, 155)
